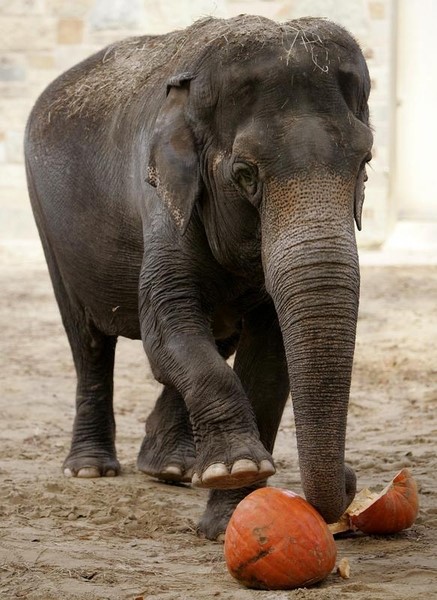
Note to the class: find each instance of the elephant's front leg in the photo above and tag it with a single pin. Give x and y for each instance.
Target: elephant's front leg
(261, 366)
(229, 453)
(182, 351)
(168, 451)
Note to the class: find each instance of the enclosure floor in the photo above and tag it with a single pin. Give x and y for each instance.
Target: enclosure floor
(131, 537)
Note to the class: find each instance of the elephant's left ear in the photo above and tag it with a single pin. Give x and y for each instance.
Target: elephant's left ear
(173, 163)
(359, 197)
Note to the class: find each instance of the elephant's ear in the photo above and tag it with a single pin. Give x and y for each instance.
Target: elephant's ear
(173, 163)
(355, 87)
(359, 197)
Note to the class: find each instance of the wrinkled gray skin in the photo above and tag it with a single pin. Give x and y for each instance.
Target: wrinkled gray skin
(198, 190)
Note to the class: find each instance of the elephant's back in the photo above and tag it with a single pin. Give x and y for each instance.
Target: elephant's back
(113, 77)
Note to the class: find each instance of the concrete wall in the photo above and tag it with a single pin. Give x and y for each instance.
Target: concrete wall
(41, 38)
(416, 128)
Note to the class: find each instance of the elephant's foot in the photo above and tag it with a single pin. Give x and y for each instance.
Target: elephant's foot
(221, 504)
(168, 450)
(100, 464)
(232, 462)
(167, 458)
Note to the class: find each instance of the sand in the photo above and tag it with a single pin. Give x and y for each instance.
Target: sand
(132, 537)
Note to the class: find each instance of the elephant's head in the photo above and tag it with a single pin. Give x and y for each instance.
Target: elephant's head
(267, 133)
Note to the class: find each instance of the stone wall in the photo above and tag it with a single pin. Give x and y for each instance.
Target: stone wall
(41, 38)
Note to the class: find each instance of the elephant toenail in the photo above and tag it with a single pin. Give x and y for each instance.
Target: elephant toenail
(266, 468)
(88, 472)
(68, 472)
(213, 472)
(172, 470)
(244, 466)
(110, 473)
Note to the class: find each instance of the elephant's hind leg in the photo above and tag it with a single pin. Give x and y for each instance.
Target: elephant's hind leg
(168, 450)
(92, 452)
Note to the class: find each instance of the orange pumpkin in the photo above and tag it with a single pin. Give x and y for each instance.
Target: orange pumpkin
(393, 510)
(276, 540)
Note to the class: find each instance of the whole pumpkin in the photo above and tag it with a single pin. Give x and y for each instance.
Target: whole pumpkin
(276, 540)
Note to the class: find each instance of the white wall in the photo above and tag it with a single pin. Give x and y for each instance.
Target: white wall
(415, 181)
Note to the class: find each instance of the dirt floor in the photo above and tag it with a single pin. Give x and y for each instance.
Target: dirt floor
(132, 537)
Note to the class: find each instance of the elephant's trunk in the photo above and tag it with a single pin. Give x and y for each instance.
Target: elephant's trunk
(312, 274)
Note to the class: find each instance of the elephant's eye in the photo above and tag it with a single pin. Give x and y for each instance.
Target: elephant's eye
(246, 177)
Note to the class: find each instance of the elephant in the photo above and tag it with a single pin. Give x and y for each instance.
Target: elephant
(198, 191)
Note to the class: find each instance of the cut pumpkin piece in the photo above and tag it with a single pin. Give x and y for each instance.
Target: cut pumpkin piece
(390, 511)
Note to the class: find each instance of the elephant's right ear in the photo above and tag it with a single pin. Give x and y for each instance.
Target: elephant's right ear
(173, 163)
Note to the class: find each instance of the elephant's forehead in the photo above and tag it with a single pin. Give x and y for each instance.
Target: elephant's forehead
(272, 64)
(293, 51)
(276, 75)
(268, 90)
(242, 90)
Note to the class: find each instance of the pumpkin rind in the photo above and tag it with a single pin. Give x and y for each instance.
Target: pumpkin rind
(277, 540)
(393, 510)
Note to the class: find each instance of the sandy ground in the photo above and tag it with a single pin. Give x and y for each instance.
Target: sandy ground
(132, 537)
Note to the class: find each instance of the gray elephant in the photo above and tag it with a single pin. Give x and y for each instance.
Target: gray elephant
(198, 190)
